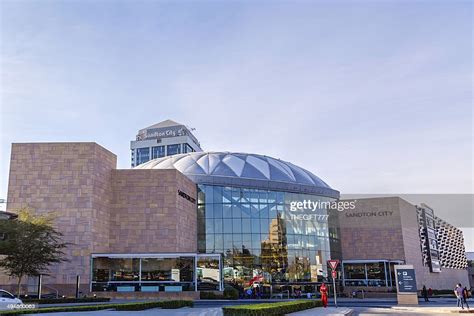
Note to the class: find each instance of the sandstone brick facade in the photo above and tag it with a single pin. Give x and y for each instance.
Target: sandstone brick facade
(387, 229)
(149, 215)
(100, 209)
(372, 230)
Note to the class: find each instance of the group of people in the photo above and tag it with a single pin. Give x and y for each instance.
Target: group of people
(462, 294)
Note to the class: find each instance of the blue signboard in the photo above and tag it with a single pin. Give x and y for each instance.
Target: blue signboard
(406, 281)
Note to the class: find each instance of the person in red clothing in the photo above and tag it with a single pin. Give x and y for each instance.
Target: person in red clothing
(324, 294)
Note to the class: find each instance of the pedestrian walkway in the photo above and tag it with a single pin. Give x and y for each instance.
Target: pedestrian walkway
(148, 312)
(330, 311)
(406, 310)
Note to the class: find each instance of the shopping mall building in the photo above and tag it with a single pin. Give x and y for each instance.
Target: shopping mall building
(195, 221)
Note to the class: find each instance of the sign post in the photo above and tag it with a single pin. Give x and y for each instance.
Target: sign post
(333, 264)
(406, 284)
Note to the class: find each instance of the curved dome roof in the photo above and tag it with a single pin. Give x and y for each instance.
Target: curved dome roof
(240, 169)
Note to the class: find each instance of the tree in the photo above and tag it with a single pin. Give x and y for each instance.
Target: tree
(30, 246)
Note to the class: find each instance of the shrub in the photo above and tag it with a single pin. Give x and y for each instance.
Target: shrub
(176, 304)
(119, 307)
(265, 309)
(137, 306)
(231, 293)
(58, 309)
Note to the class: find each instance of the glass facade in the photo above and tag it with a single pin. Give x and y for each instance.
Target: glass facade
(261, 239)
(143, 155)
(168, 274)
(209, 276)
(158, 152)
(369, 273)
(187, 149)
(156, 273)
(173, 149)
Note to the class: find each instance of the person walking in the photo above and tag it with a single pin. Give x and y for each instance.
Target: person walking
(465, 295)
(458, 291)
(324, 294)
(424, 293)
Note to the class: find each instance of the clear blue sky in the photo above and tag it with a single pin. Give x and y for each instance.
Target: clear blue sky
(374, 97)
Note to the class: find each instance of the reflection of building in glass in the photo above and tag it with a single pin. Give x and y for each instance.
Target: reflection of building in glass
(259, 239)
(275, 249)
(244, 214)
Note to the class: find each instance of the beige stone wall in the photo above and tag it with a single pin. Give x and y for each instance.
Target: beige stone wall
(71, 180)
(394, 237)
(411, 241)
(147, 215)
(100, 209)
(372, 230)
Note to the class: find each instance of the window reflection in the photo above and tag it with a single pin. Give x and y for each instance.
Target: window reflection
(157, 274)
(369, 273)
(259, 240)
(208, 274)
(173, 149)
(143, 155)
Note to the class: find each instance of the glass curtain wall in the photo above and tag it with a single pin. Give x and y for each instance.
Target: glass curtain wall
(260, 239)
(369, 273)
(143, 274)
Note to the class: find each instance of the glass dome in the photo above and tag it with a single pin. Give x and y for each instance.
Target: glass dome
(245, 170)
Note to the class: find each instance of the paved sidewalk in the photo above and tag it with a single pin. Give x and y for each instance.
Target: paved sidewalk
(330, 311)
(148, 312)
(428, 309)
(406, 310)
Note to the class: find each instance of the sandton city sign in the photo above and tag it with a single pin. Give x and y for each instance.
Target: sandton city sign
(370, 214)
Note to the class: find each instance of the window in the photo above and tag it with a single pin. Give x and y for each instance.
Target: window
(187, 149)
(354, 271)
(173, 149)
(157, 152)
(124, 269)
(376, 273)
(4, 294)
(167, 269)
(143, 274)
(143, 155)
(208, 274)
(250, 230)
